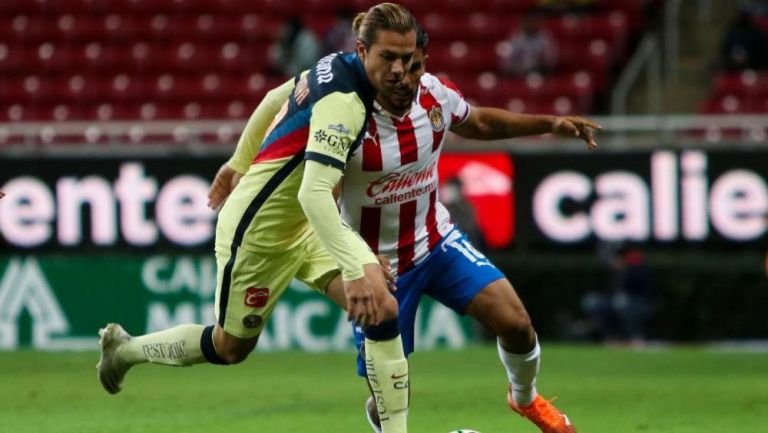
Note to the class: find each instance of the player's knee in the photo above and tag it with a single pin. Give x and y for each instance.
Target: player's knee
(236, 354)
(388, 307)
(516, 329)
(233, 350)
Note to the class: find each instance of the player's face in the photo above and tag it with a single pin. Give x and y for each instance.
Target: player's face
(399, 102)
(388, 59)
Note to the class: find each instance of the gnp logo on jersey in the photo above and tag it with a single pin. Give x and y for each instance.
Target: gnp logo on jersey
(334, 143)
(436, 119)
(256, 297)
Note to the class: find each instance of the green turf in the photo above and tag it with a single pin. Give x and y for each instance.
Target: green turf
(602, 389)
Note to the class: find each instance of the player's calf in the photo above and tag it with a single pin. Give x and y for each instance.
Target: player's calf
(387, 371)
(182, 345)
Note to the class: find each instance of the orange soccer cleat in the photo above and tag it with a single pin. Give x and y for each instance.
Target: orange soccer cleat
(544, 414)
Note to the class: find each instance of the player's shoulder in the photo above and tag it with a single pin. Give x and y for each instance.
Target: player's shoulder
(337, 72)
(439, 86)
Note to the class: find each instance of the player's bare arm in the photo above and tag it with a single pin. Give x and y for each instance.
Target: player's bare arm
(487, 123)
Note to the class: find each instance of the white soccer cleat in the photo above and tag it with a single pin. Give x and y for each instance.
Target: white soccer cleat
(111, 370)
(372, 415)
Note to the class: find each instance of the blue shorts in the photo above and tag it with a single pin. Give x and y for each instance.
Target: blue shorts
(452, 274)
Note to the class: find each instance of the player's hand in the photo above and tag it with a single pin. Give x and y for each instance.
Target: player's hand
(223, 184)
(362, 306)
(386, 269)
(574, 126)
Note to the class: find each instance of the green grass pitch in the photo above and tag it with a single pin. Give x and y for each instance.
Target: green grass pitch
(603, 390)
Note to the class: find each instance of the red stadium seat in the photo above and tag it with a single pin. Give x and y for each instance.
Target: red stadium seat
(742, 84)
(52, 57)
(507, 6)
(80, 28)
(28, 28)
(728, 104)
(107, 58)
(489, 27)
(129, 88)
(441, 25)
(14, 58)
(260, 27)
(238, 58)
(190, 56)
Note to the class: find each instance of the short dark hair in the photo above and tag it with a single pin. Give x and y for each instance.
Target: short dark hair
(422, 38)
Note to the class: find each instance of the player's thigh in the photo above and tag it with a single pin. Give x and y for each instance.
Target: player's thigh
(498, 307)
(249, 285)
(459, 272)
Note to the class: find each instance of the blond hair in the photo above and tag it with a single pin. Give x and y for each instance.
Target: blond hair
(383, 16)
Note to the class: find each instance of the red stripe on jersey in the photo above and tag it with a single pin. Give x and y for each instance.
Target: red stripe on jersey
(429, 103)
(370, 223)
(434, 234)
(406, 249)
(288, 145)
(372, 160)
(455, 120)
(406, 136)
(451, 85)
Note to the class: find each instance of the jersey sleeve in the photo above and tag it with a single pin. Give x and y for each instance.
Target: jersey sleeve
(256, 128)
(457, 105)
(345, 246)
(336, 121)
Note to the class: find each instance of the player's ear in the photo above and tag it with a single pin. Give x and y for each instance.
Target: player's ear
(360, 48)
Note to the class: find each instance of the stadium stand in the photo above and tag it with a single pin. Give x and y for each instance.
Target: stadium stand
(164, 59)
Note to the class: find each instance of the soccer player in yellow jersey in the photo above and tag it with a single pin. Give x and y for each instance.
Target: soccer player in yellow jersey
(441, 261)
(281, 222)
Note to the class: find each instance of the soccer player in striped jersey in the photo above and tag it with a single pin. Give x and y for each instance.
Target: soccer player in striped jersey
(281, 222)
(389, 194)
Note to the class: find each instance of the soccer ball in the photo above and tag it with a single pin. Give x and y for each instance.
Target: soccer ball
(465, 431)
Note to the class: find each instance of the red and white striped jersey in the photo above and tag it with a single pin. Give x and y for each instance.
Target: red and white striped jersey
(390, 187)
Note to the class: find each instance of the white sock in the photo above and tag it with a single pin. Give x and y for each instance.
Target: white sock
(179, 345)
(521, 371)
(387, 371)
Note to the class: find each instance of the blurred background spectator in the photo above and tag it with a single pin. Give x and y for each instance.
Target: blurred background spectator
(531, 49)
(745, 45)
(623, 313)
(340, 36)
(296, 50)
(755, 7)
